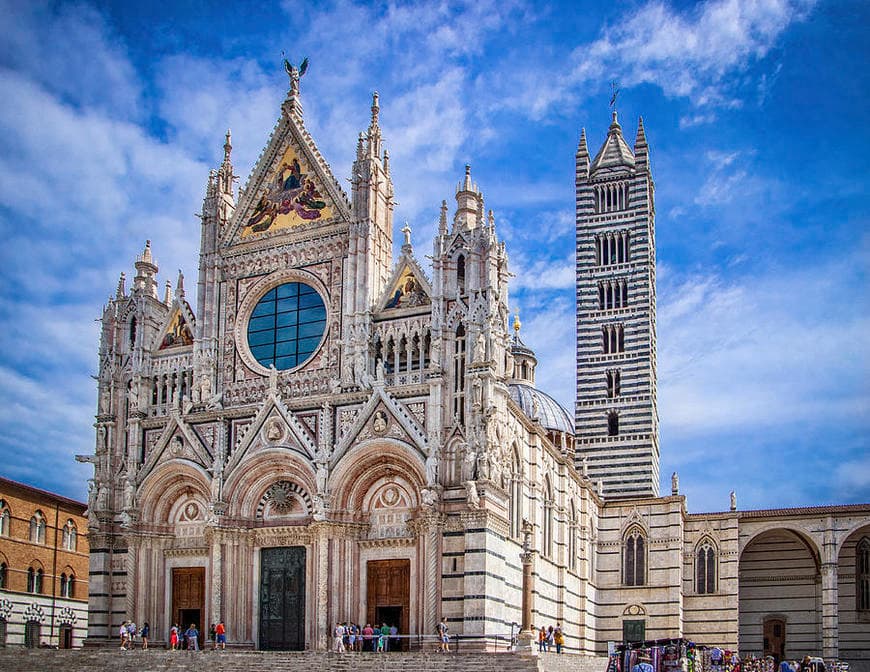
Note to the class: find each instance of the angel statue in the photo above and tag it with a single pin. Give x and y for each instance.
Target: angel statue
(295, 73)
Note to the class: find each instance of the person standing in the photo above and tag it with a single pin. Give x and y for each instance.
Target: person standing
(131, 635)
(551, 638)
(144, 634)
(122, 633)
(368, 632)
(558, 638)
(221, 632)
(192, 635)
(394, 639)
(542, 639)
(338, 638)
(443, 636)
(385, 637)
(173, 637)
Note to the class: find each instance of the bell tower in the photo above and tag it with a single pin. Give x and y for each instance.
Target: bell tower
(616, 414)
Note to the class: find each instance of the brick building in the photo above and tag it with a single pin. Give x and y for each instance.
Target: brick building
(43, 568)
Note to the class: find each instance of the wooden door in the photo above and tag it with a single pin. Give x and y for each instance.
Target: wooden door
(774, 638)
(282, 598)
(188, 597)
(389, 585)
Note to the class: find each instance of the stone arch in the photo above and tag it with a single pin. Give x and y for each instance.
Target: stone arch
(162, 491)
(772, 557)
(853, 595)
(846, 535)
(253, 477)
(365, 465)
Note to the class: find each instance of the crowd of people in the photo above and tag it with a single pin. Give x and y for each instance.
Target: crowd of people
(349, 636)
(179, 638)
(550, 638)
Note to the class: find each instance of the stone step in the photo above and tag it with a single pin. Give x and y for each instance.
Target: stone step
(158, 660)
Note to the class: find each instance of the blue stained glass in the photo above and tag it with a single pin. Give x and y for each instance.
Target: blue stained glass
(273, 335)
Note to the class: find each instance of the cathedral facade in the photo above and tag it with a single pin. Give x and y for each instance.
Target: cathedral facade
(339, 433)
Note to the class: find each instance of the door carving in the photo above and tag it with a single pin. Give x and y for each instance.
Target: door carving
(282, 598)
(389, 592)
(188, 596)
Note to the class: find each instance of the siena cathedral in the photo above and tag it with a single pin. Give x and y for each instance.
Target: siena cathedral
(342, 432)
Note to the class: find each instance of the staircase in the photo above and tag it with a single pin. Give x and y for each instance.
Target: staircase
(159, 660)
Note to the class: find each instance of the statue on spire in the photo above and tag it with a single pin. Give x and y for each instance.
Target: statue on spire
(295, 74)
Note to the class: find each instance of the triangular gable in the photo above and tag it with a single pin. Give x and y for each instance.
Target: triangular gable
(288, 430)
(407, 288)
(191, 448)
(177, 331)
(291, 186)
(382, 401)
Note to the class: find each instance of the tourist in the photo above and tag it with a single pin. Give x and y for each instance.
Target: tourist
(385, 636)
(394, 639)
(144, 633)
(221, 633)
(379, 640)
(551, 638)
(542, 639)
(131, 634)
(443, 636)
(212, 636)
(351, 637)
(122, 633)
(558, 638)
(192, 636)
(368, 632)
(173, 637)
(338, 638)
(644, 663)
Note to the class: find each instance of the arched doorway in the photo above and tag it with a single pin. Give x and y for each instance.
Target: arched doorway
(779, 596)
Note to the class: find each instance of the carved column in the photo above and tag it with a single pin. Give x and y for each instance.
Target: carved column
(428, 530)
(321, 533)
(527, 635)
(131, 562)
(216, 608)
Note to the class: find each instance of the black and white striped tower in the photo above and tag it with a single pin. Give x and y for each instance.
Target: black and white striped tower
(616, 415)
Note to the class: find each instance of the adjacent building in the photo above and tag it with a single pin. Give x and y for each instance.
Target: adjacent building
(43, 568)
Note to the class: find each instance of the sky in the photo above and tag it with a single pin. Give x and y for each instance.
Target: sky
(755, 112)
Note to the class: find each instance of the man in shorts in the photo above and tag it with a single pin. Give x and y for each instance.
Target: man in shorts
(443, 636)
(221, 633)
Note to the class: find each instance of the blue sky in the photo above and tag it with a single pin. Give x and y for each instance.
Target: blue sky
(755, 113)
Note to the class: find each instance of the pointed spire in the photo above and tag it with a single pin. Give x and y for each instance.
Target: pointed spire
(467, 185)
(614, 125)
(386, 162)
(640, 139)
(442, 221)
(146, 253)
(641, 149)
(167, 293)
(582, 148)
(360, 146)
(146, 269)
(228, 146)
(376, 108)
(179, 286)
(122, 286)
(491, 219)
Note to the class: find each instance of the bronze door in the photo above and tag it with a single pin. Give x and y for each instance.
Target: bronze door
(188, 597)
(774, 638)
(389, 593)
(282, 598)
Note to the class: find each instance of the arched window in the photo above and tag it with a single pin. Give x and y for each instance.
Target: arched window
(66, 584)
(705, 569)
(634, 559)
(70, 537)
(5, 517)
(613, 424)
(34, 580)
(862, 575)
(516, 500)
(548, 520)
(572, 538)
(460, 273)
(37, 528)
(133, 333)
(3, 575)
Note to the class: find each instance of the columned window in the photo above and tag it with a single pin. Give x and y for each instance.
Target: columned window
(613, 383)
(5, 518)
(613, 338)
(37, 528)
(70, 537)
(705, 569)
(34, 580)
(634, 559)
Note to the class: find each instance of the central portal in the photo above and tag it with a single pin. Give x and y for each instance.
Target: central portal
(282, 598)
(389, 593)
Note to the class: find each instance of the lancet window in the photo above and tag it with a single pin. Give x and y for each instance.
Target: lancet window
(862, 575)
(634, 558)
(613, 338)
(705, 569)
(611, 197)
(459, 375)
(612, 294)
(612, 248)
(613, 383)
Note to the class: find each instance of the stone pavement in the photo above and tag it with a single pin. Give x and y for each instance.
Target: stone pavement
(159, 660)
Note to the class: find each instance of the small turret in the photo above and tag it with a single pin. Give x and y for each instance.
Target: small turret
(146, 272)
(469, 203)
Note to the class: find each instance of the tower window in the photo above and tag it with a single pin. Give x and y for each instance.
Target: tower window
(613, 338)
(634, 559)
(613, 383)
(612, 248)
(611, 197)
(37, 528)
(705, 569)
(613, 424)
(612, 294)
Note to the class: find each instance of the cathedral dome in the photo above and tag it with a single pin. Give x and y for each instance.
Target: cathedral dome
(541, 406)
